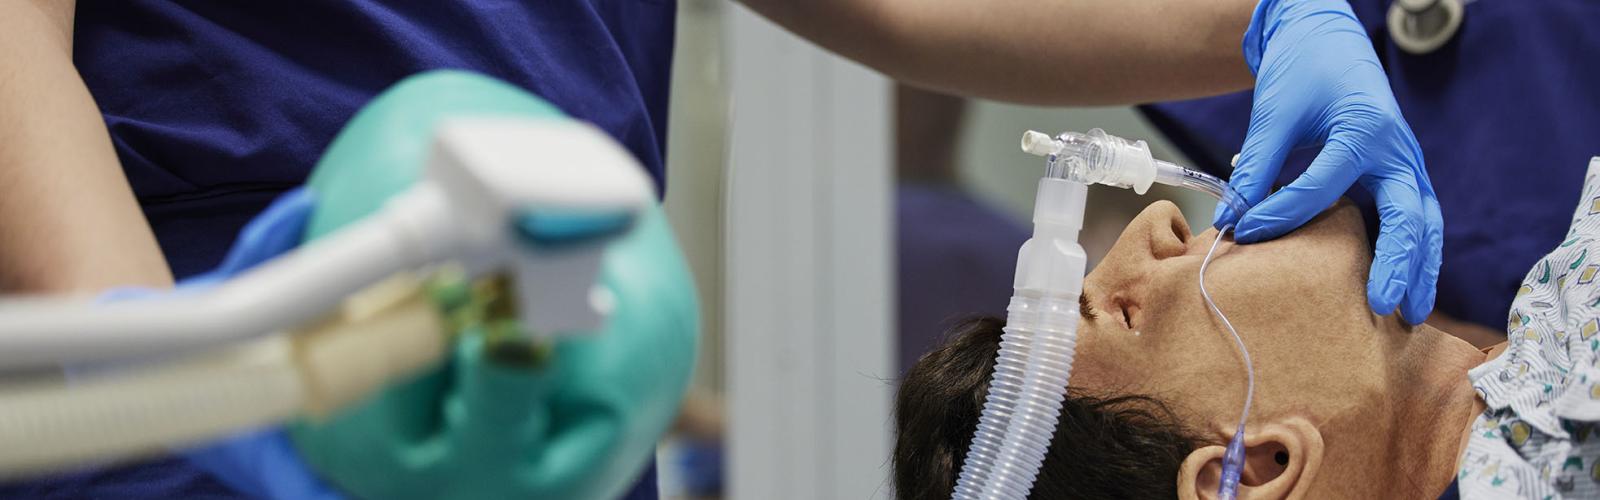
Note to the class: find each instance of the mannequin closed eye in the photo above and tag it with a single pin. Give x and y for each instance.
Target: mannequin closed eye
(1125, 311)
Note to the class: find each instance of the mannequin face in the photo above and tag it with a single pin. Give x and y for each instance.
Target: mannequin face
(1334, 383)
(1153, 333)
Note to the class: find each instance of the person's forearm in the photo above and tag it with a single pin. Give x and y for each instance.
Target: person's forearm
(1053, 52)
(68, 220)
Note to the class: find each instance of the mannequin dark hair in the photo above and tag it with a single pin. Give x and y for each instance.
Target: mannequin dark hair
(1106, 446)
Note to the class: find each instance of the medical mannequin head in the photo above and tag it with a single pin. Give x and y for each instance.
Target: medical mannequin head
(583, 424)
(1337, 387)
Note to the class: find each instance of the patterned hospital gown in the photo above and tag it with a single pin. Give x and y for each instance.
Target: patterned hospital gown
(1538, 437)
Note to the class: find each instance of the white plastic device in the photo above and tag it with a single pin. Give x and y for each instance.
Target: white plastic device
(331, 321)
(483, 177)
(1036, 351)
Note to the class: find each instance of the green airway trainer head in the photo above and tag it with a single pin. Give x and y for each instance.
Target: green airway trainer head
(583, 424)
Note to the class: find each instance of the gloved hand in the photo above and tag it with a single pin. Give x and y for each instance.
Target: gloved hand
(261, 463)
(1319, 81)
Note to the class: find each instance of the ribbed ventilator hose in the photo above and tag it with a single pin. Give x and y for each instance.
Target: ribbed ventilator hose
(1024, 400)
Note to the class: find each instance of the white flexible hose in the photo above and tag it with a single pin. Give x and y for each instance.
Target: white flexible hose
(412, 230)
(1035, 359)
(49, 426)
(1024, 400)
(385, 333)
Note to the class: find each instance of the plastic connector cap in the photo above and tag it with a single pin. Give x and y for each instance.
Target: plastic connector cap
(1039, 144)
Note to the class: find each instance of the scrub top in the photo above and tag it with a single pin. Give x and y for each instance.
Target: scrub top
(972, 236)
(1507, 114)
(217, 107)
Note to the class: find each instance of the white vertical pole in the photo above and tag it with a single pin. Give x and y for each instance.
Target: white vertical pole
(696, 174)
(809, 247)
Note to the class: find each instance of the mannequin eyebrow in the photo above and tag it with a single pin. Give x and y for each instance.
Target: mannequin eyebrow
(1085, 309)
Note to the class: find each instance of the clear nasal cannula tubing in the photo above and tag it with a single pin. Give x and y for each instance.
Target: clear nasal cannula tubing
(1233, 459)
(1029, 382)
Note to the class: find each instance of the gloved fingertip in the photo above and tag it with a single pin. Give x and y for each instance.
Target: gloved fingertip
(1417, 309)
(1247, 235)
(292, 204)
(1385, 290)
(1223, 216)
(1253, 230)
(1420, 299)
(1380, 305)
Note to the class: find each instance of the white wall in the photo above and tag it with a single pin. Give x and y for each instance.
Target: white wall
(696, 170)
(808, 271)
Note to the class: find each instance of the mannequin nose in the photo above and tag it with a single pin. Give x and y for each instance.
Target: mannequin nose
(1166, 231)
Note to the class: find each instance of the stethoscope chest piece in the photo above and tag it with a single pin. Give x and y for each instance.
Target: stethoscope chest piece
(1422, 26)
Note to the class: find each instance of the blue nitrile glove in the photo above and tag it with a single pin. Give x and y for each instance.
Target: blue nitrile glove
(260, 463)
(1319, 81)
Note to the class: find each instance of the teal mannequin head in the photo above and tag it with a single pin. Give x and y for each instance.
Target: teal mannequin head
(583, 423)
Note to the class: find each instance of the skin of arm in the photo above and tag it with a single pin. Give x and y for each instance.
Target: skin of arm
(69, 221)
(1045, 52)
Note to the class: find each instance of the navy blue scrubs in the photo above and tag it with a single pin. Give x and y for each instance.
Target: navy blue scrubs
(217, 107)
(1508, 115)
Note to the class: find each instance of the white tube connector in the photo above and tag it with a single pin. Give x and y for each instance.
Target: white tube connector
(1094, 158)
(1039, 144)
(1052, 260)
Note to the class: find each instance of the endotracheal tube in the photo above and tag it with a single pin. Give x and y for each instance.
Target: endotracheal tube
(1035, 359)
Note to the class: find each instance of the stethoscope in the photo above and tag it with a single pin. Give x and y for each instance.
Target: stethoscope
(1422, 26)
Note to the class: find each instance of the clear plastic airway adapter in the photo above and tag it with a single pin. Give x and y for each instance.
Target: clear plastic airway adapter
(1100, 158)
(1035, 359)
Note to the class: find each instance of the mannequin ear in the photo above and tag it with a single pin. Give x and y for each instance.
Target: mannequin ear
(1281, 458)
